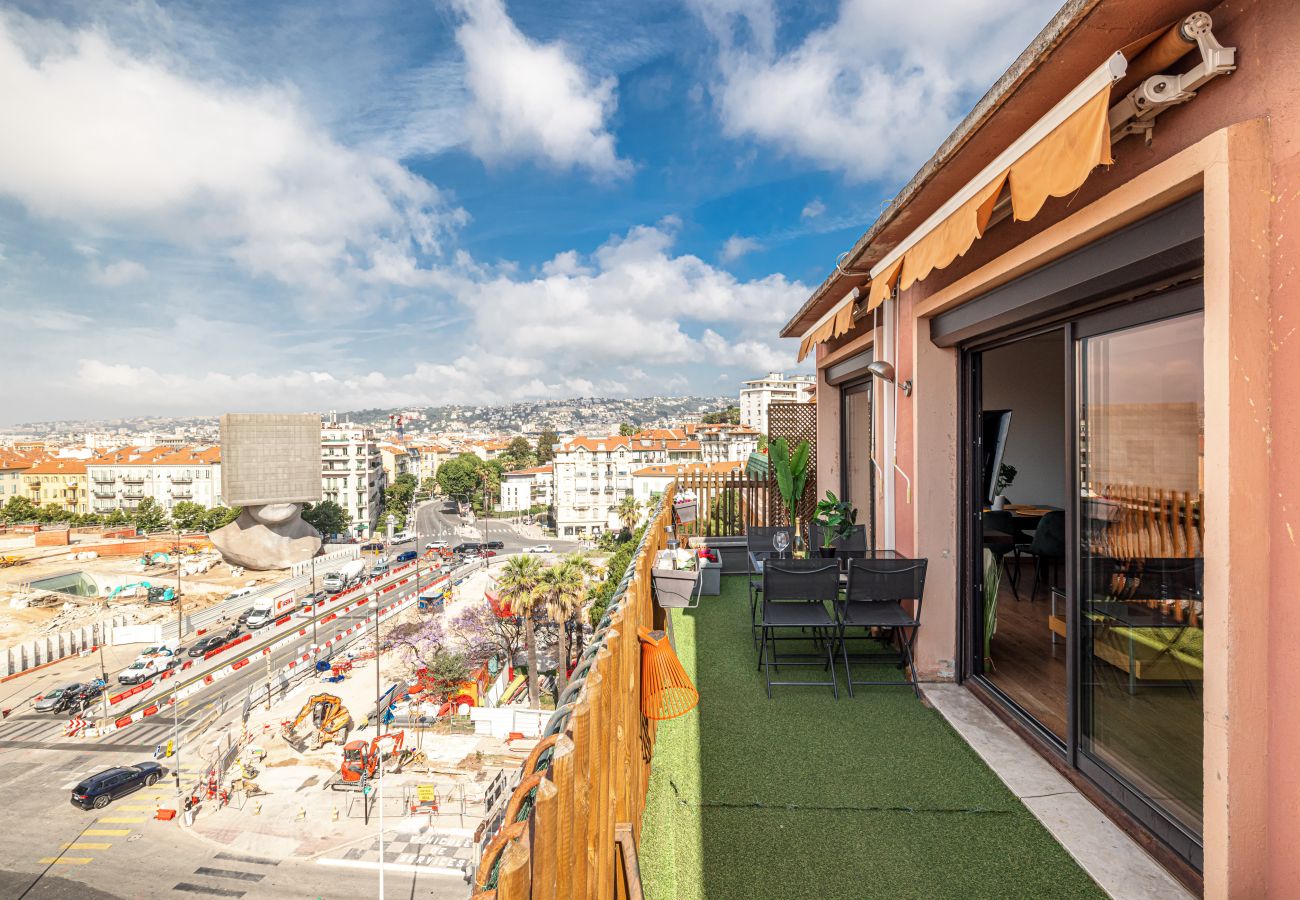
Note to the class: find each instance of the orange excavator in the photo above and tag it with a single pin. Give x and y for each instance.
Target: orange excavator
(360, 758)
(330, 721)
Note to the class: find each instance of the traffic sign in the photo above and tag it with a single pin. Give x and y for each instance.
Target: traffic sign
(426, 792)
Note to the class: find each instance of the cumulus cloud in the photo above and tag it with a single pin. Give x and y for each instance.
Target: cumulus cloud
(737, 246)
(531, 100)
(873, 109)
(118, 273)
(624, 320)
(95, 134)
(814, 209)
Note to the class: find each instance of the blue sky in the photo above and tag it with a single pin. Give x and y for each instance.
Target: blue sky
(209, 207)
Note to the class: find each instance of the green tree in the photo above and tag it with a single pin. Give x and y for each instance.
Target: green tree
(220, 517)
(460, 475)
(429, 486)
(546, 442)
(626, 430)
(602, 593)
(519, 585)
(402, 490)
(629, 511)
(149, 515)
(728, 416)
(18, 509)
(326, 517)
(117, 517)
(519, 455)
(189, 516)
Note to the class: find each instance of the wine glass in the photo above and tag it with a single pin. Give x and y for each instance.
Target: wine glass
(781, 541)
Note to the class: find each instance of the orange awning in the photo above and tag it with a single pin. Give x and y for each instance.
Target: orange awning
(837, 322)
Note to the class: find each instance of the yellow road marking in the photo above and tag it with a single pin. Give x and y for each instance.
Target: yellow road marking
(136, 807)
(122, 820)
(86, 845)
(107, 832)
(65, 860)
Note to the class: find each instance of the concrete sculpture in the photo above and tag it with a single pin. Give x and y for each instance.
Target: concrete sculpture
(273, 536)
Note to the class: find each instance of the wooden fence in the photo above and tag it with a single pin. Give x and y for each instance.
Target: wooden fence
(729, 503)
(572, 826)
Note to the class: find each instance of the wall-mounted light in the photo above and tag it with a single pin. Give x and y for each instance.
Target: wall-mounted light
(885, 372)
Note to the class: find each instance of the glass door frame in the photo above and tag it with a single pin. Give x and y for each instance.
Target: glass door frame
(864, 385)
(1165, 303)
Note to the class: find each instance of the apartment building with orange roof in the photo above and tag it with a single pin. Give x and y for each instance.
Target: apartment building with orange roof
(123, 478)
(649, 482)
(57, 482)
(523, 489)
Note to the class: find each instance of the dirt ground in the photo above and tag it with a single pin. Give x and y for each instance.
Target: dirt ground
(25, 614)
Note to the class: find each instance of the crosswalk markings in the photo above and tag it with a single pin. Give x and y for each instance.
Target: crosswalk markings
(238, 857)
(87, 845)
(107, 832)
(65, 860)
(201, 889)
(229, 873)
(122, 820)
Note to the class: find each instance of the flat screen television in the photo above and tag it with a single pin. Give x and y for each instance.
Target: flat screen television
(995, 424)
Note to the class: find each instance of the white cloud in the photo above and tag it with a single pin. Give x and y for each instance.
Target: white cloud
(737, 246)
(814, 209)
(532, 99)
(873, 93)
(624, 320)
(118, 273)
(95, 135)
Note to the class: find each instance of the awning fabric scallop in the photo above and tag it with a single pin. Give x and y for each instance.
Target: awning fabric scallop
(832, 327)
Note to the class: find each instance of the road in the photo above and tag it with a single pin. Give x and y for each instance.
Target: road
(60, 851)
(435, 524)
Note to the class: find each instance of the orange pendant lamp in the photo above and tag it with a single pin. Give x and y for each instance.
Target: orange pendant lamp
(666, 690)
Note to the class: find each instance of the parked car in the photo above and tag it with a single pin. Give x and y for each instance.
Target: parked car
(372, 547)
(404, 556)
(467, 546)
(165, 649)
(58, 699)
(144, 669)
(243, 616)
(437, 545)
(380, 568)
(239, 592)
(487, 553)
(538, 548)
(495, 545)
(102, 788)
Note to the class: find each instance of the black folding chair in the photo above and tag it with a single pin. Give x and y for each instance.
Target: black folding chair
(874, 598)
(795, 597)
(758, 539)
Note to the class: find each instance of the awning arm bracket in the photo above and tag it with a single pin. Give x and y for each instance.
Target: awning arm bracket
(1136, 113)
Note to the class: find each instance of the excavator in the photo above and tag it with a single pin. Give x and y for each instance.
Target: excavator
(154, 594)
(330, 721)
(362, 759)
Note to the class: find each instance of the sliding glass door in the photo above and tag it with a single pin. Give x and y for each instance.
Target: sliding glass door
(1141, 418)
(858, 440)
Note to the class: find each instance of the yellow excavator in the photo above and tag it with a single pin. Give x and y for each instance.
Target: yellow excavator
(330, 721)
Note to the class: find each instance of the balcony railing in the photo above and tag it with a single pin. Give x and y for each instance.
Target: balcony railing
(133, 479)
(182, 479)
(101, 478)
(133, 495)
(596, 745)
(185, 494)
(105, 492)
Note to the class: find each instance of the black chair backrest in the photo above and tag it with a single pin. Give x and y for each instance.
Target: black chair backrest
(759, 537)
(800, 580)
(1049, 536)
(886, 580)
(1000, 519)
(854, 543)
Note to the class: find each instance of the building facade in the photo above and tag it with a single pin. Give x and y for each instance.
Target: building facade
(57, 482)
(757, 395)
(1093, 291)
(121, 479)
(352, 472)
(525, 488)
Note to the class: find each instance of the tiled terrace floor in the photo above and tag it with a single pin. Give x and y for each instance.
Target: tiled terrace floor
(805, 796)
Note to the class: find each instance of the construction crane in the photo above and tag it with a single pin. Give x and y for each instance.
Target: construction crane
(330, 719)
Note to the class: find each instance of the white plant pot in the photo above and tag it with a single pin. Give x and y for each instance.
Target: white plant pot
(1000, 501)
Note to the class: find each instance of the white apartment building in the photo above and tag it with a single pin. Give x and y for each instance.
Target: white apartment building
(757, 395)
(651, 481)
(725, 443)
(594, 474)
(121, 479)
(526, 488)
(396, 460)
(352, 471)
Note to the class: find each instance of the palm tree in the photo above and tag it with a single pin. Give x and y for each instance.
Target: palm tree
(519, 585)
(629, 511)
(562, 590)
(586, 571)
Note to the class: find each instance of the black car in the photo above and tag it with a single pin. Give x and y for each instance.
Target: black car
(495, 545)
(466, 547)
(102, 788)
(243, 616)
(211, 642)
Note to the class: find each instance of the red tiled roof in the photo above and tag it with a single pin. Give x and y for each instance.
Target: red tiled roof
(715, 468)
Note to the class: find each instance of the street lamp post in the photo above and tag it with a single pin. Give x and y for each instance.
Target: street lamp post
(315, 645)
(180, 631)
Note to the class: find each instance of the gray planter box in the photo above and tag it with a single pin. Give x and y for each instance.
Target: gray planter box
(711, 578)
(675, 589)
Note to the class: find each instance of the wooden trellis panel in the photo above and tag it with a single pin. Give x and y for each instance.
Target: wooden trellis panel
(795, 422)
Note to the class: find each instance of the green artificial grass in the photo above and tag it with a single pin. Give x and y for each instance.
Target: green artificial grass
(803, 796)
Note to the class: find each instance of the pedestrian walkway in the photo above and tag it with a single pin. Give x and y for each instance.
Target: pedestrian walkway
(436, 850)
(112, 826)
(229, 875)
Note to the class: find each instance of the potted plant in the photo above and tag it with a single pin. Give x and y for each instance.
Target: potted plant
(837, 519)
(791, 471)
(1006, 475)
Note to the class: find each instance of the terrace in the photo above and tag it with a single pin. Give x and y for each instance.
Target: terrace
(802, 795)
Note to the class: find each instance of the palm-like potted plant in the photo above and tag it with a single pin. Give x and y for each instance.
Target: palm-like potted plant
(791, 471)
(837, 519)
(1006, 474)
